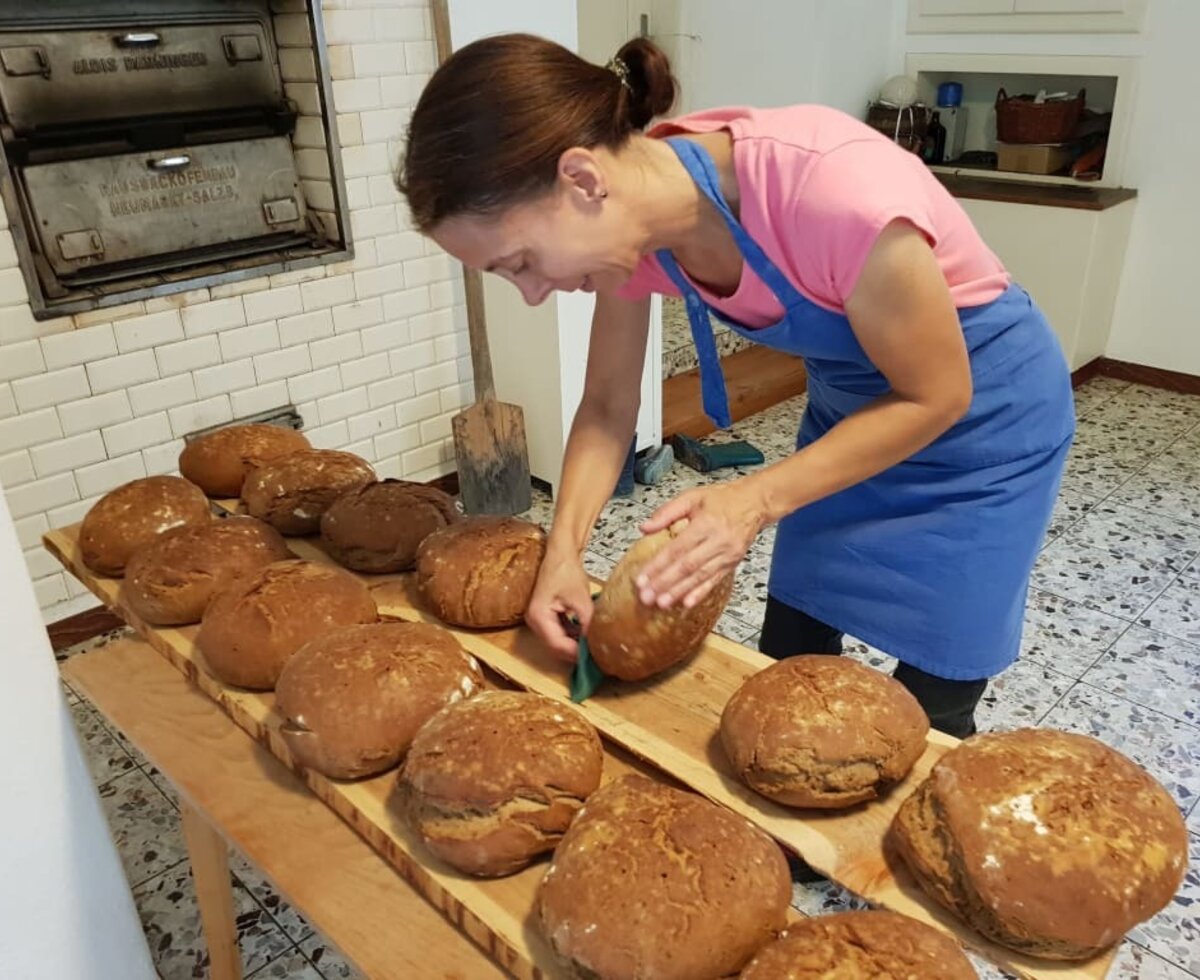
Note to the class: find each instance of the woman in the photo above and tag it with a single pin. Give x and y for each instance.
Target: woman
(939, 412)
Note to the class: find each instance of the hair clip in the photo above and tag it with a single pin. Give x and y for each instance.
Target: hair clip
(621, 70)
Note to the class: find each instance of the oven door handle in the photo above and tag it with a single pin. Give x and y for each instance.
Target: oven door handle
(138, 39)
(170, 163)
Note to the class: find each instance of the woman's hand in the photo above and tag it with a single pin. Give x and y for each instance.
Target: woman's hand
(562, 590)
(722, 522)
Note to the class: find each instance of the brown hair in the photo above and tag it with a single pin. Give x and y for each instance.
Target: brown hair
(493, 121)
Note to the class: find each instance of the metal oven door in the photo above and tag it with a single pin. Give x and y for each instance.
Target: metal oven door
(142, 210)
(60, 77)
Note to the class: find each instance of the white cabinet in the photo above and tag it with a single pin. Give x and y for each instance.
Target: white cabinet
(1025, 16)
(1068, 259)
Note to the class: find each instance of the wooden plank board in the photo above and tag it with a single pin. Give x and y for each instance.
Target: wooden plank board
(321, 866)
(497, 915)
(672, 722)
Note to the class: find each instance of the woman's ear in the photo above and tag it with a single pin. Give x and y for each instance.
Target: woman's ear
(580, 173)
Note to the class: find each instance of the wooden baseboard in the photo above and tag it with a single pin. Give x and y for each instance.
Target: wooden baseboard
(756, 378)
(1106, 367)
(82, 626)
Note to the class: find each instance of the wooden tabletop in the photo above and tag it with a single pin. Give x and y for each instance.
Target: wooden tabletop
(1082, 196)
(321, 866)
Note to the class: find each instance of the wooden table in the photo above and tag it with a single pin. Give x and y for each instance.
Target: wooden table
(234, 793)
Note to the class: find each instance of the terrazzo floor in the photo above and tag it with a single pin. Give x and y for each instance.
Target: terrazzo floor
(1111, 649)
(678, 351)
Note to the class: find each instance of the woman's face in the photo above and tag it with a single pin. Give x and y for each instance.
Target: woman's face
(575, 236)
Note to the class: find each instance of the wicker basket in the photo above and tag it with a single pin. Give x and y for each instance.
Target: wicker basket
(906, 126)
(1021, 120)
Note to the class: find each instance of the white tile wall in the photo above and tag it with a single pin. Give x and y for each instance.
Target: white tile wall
(366, 349)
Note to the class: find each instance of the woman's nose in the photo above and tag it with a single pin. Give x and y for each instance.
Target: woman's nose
(534, 290)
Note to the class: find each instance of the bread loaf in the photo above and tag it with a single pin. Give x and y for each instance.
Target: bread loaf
(170, 581)
(633, 641)
(378, 528)
(822, 731)
(655, 882)
(254, 626)
(292, 492)
(492, 782)
(860, 946)
(353, 698)
(1047, 842)
(217, 461)
(480, 571)
(133, 515)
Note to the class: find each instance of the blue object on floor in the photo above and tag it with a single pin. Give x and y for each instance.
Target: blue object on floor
(653, 465)
(706, 457)
(624, 486)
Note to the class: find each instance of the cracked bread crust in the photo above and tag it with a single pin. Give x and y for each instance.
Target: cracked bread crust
(633, 641)
(655, 883)
(253, 626)
(860, 946)
(128, 518)
(822, 731)
(479, 572)
(218, 461)
(1046, 842)
(494, 781)
(171, 581)
(292, 492)
(378, 528)
(354, 698)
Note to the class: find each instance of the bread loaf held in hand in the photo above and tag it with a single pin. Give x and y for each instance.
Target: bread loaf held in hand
(631, 640)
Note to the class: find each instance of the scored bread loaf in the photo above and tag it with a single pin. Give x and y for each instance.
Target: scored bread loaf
(822, 731)
(170, 581)
(479, 572)
(253, 626)
(1046, 842)
(631, 640)
(353, 698)
(378, 528)
(292, 492)
(652, 881)
(217, 461)
(492, 782)
(134, 514)
(860, 946)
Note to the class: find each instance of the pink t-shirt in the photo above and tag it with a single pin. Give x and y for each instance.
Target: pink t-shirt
(817, 187)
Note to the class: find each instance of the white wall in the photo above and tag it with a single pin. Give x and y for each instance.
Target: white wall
(775, 52)
(1155, 320)
(373, 352)
(65, 908)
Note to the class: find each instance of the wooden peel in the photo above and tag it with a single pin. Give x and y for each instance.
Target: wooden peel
(489, 436)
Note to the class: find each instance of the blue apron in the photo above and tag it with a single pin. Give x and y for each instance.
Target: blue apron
(929, 560)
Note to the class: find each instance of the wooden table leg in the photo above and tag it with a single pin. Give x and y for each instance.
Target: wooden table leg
(214, 894)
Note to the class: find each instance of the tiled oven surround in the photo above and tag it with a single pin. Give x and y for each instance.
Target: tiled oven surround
(373, 351)
(1111, 649)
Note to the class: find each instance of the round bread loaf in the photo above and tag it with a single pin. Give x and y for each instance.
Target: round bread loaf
(656, 882)
(134, 514)
(218, 461)
(171, 580)
(492, 782)
(378, 528)
(354, 697)
(633, 641)
(292, 492)
(480, 571)
(255, 625)
(860, 946)
(1047, 842)
(822, 731)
